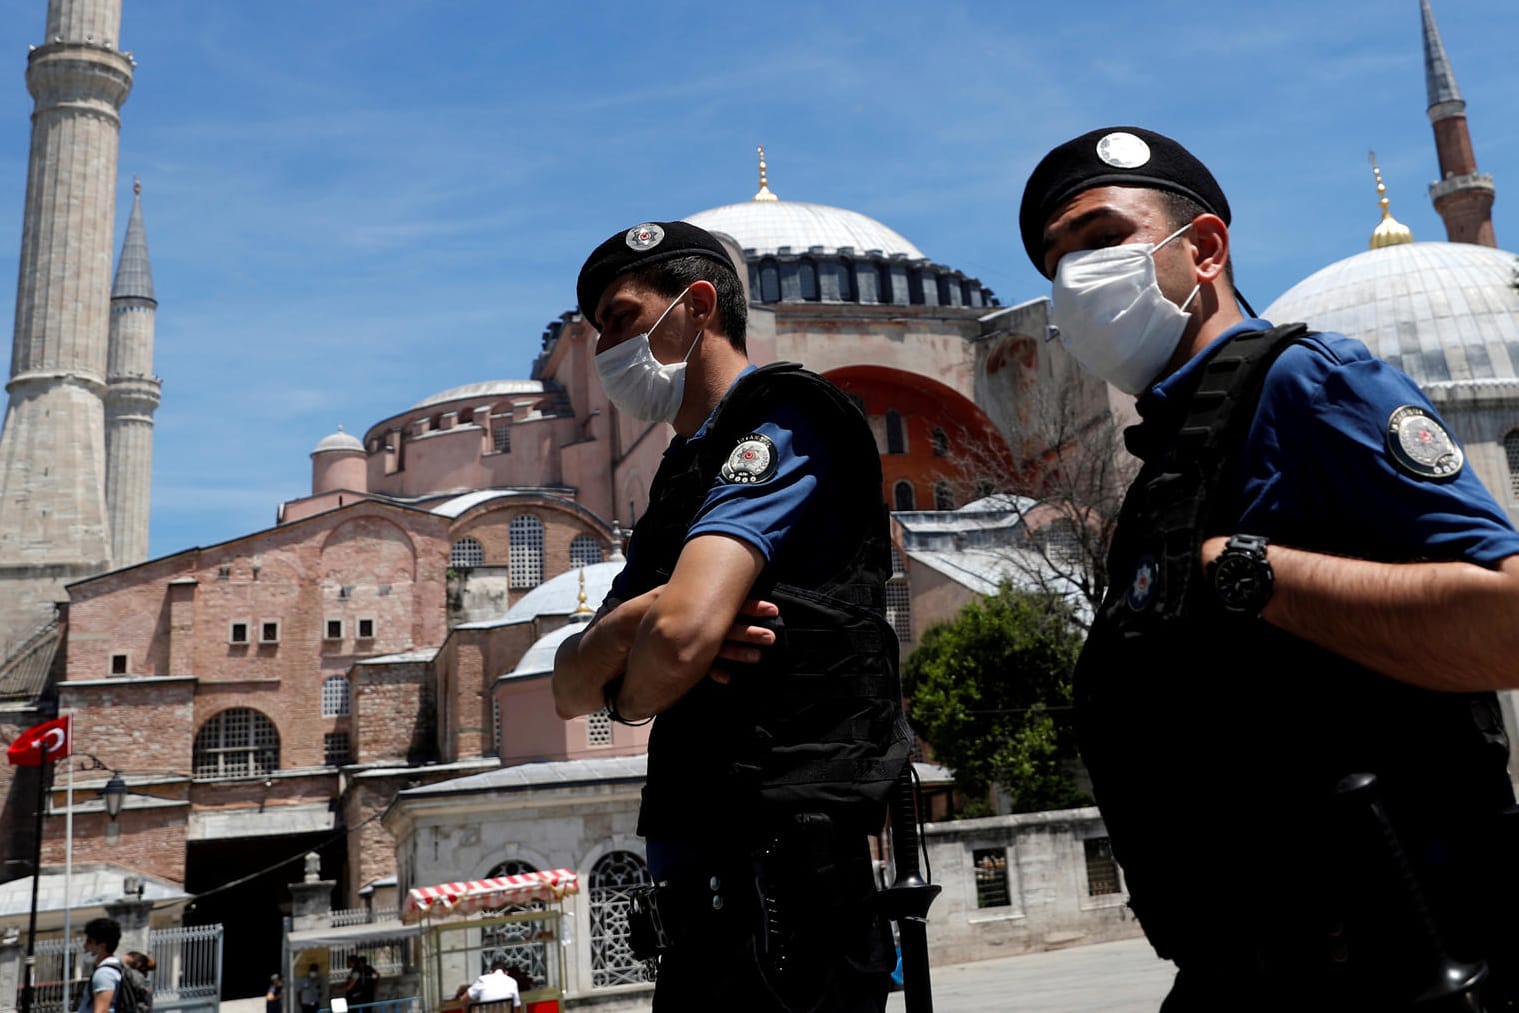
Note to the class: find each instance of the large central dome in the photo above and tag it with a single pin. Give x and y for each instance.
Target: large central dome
(1441, 312)
(765, 226)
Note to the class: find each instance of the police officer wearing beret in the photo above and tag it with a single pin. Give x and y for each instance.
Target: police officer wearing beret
(1287, 700)
(749, 624)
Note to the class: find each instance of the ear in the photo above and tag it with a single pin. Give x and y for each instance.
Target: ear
(703, 303)
(1209, 237)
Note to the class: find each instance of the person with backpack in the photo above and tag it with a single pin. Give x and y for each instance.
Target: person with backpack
(114, 987)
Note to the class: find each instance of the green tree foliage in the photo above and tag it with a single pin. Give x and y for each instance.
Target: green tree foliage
(990, 691)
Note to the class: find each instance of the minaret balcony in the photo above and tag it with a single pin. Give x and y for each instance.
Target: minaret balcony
(1466, 181)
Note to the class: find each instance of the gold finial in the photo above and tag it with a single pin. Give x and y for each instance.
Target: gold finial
(1390, 231)
(582, 610)
(764, 190)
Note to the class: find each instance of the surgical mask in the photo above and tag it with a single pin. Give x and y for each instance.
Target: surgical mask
(1111, 315)
(638, 383)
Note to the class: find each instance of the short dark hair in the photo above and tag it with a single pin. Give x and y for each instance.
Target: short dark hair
(498, 965)
(1181, 210)
(671, 277)
(105, 931)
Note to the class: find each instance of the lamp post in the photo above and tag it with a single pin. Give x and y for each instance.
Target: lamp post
(114, 795)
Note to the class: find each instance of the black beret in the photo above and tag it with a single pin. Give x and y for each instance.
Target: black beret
(638, 247)
(1112, 156)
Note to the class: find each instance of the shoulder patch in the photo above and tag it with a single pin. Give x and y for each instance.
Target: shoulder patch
(752, 460)
(1420, 445)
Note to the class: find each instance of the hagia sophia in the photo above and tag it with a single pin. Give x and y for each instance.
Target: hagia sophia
(368, 678)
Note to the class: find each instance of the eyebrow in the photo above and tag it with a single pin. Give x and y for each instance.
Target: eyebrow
(1080, 222)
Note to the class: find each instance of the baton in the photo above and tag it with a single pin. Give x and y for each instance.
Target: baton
(907, 900)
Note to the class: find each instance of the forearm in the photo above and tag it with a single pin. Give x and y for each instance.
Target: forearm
(588, 660)
(1441, 626)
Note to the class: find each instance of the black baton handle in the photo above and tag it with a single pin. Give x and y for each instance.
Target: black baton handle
(907, 900)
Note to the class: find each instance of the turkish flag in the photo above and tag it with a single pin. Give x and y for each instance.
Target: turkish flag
(44, 743)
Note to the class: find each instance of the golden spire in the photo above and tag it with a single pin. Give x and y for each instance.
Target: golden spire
(1390, 232)
(764, 190)
(582, 611)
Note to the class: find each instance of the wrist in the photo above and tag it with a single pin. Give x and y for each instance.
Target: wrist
(1241, 575)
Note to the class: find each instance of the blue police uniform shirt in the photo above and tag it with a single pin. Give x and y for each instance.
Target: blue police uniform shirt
(1316, 471)
(761, 514)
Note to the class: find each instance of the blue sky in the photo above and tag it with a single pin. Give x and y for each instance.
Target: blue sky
(353, 205)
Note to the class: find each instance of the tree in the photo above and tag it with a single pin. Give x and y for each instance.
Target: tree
(990, 691)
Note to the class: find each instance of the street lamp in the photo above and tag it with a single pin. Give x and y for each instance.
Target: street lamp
(115, 795)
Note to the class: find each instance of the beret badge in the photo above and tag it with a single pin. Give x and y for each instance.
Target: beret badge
(644, 237)
(1122, 150)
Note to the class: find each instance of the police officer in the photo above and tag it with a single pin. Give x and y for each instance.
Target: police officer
(749, 624)
(1308, 583)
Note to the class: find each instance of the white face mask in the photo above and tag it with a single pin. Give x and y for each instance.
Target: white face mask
(1112, 316)
(638, 383)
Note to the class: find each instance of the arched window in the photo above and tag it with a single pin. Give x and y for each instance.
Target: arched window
(584, 551)
(899, 598)
(883, 279)
(1511, 449)
(940, 440)
(613, 878)
(770, 281)
(896, 433)
(944, 496)
(526, 562)
(901, 493)
(466, 552)
(807, 274)
(238, 742)
(336, 702)
(845, 273)
(515, 942)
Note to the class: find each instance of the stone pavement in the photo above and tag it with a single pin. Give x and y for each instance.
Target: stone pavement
(1121, 977)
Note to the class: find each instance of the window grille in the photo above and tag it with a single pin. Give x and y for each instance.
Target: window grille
(366, 629)
(1102, 870)
(337, 701)
(334, 630)
(515, 942)
(118, 664)
(526, 561)
(237, 633)
(1511, 449)
(991, 877)
(598, 729)
(336, 750)
(584, 551)
(269, 632)
(238, 742)
(466, 552)
(899, 608)
(501, 437)
(902, 496)
(613, 879)
(898, 565)
(1059, 542)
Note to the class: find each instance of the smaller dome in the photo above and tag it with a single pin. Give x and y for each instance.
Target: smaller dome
(339, 441)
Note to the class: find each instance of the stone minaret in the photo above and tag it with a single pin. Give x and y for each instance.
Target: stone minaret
(53, 522)
(1462, 196)
(131, 395)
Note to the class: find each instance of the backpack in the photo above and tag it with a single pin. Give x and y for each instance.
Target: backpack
(133, 993)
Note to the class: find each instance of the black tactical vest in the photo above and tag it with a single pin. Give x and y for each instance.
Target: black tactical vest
(817, 725)
(1214, 743)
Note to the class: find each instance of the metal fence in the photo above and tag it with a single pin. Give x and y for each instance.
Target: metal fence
(188, 971)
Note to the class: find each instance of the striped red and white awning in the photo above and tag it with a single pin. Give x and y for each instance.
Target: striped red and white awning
(487, 894)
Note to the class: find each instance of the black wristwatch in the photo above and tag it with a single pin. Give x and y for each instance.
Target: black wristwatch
(1242, 577)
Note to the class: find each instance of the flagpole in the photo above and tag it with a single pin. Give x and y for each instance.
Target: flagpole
(68, 876)
(29, 988)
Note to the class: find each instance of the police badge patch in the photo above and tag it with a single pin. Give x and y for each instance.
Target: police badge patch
(753, 460)
(1420, 446)
(1142, 588)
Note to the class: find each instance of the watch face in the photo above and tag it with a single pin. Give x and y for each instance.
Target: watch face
(1242, 583)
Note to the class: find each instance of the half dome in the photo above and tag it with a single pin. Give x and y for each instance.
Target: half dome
(338, 441)
(1441, 312)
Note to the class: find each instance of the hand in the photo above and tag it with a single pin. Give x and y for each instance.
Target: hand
(744, 641)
